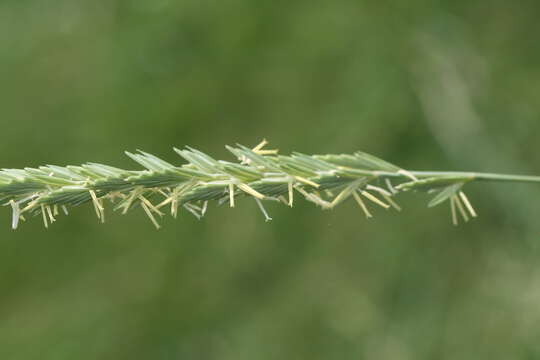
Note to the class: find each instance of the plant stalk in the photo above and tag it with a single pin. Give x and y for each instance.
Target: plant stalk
(477, 176)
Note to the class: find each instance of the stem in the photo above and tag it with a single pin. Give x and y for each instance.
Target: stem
(478, 176)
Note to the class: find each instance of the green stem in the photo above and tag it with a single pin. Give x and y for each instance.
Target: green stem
(477, 176)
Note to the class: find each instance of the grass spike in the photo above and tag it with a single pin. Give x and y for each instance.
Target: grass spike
(259, 173)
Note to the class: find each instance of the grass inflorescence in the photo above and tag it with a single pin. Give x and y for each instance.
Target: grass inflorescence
(262, 174)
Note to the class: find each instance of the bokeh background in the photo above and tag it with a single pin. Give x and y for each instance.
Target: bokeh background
(425, 84)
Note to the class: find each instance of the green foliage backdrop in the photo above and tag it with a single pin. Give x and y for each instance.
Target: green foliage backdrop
(450, 85)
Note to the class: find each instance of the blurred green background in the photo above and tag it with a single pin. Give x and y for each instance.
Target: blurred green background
(438, 85)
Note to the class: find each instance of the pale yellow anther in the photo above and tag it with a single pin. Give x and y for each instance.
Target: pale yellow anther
(342, 196)
(165, 202)
(290, 187)
(102, 211)
(467, 204)
(307, 181)
(49, 212)
(453, 210)
(267, 152)
(150, 205)
(378, 189)
(386, 195)
(374, 199)
(174, 208)
(248, 189)
(231, 195)
(134, 194)
(16, 214)
(461, 208)
(97, 206)
(44, 216)
(314, 198)
(162, 193)
(259, 146)
(391, 202)
(205, 206)
(149, 214)
(95, 199)
(362, 205)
